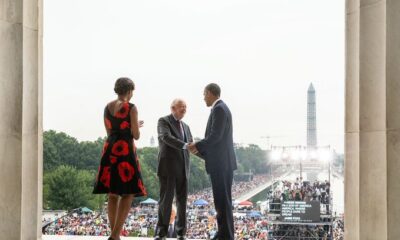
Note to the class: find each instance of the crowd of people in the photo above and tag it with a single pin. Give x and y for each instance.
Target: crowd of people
(200, 225)
(142, 220)
(306, 191)
(79, 224)
(338, 229)
(201, 222)
(288, 232)
(201, 219)
(312, 232)
(301, 191)
(240, 188)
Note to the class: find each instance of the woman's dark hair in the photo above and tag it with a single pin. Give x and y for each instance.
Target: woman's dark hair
(123, 85)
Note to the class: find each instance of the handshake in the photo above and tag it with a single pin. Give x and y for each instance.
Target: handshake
(192, 148)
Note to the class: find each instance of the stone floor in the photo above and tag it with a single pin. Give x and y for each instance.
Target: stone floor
(71, 237)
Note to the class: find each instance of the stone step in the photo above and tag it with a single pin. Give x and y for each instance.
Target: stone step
(73, 237)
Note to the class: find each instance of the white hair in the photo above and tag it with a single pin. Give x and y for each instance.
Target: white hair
(176, 101)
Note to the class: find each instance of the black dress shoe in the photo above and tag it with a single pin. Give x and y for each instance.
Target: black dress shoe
(160, 238)
(179, 237)
(215, 237)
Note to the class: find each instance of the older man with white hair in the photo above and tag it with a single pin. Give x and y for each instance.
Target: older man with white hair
(173, 168)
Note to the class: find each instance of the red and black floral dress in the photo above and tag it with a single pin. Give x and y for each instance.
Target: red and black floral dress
(119, 170)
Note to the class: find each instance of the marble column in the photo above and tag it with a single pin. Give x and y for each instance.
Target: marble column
(372, 189)
(21, 120)
(352, 157)
(393, 116)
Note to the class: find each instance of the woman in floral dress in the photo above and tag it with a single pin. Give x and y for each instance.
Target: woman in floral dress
(119, 171)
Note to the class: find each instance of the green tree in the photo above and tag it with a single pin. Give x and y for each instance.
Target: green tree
(199, 178)
(148, 158)
(62, 149)
(89, 154)
(252, 158)
(70, 167)
(68, 188)
(59, 149)
(51, 156)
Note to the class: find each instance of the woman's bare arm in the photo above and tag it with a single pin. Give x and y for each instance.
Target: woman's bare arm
(135, 123)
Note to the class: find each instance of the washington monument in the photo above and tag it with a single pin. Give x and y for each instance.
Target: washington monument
(311, 118)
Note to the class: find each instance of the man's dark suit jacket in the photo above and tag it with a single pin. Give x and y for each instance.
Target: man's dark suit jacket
(173, 160)
(217, 146)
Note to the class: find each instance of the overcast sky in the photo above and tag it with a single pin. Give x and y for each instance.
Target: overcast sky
(263, 54)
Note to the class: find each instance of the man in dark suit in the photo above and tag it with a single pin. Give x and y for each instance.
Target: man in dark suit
(173, 168)
(217, 151)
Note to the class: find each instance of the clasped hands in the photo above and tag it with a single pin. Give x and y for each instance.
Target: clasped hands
(192, 148)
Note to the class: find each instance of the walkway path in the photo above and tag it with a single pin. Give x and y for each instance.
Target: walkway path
(257, 190)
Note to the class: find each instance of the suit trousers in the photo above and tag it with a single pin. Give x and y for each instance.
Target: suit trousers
(168, 187)
(222, 192)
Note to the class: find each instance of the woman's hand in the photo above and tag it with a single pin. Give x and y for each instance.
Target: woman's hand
(140, 123)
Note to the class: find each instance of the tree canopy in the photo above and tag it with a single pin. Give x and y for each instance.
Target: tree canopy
(70, 168)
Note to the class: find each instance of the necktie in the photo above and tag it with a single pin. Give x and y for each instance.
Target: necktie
(179, 124)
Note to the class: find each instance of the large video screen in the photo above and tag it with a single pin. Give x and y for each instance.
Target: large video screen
(300, 211)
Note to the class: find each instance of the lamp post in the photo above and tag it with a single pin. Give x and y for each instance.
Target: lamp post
(275, 157)
(325, 155)
(270, 172)
(271, 156)
(301, 169)
(302, 156)
(329, 171)
(329, 159)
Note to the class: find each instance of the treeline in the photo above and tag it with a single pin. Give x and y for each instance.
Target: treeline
(70, 168)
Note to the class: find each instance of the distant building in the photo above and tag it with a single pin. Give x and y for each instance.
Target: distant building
(152, 142)
(311, 118)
